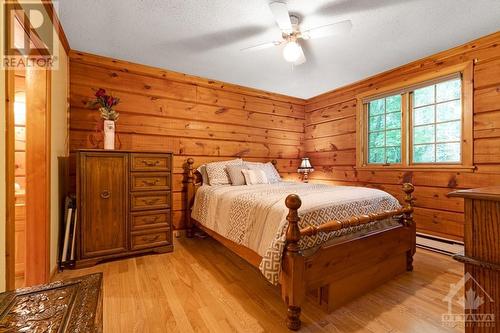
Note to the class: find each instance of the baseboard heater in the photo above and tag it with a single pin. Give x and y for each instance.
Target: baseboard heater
(438, 244)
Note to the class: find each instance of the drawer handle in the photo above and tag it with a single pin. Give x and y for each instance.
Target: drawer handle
(151, 201)
(151, 238)
(105, 194)
(150, 182)
(150, 164)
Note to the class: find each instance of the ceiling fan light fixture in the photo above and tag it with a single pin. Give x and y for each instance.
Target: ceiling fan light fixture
(291, 51)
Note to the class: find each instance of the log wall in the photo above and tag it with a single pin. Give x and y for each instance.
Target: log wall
(330, 138)
(190, 116)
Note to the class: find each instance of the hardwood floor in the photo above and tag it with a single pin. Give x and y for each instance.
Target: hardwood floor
(203, 287)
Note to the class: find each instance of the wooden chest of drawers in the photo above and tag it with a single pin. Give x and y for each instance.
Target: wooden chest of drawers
(124, 204)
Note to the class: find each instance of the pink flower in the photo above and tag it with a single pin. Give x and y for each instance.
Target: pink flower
(101, 92)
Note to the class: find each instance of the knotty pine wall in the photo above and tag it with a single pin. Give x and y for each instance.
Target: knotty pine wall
(190, 116)
(330, 138)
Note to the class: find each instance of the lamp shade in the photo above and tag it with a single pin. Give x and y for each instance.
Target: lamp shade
(305, 166)
(291, 51)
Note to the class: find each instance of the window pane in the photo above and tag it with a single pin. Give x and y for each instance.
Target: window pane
(423, 96)
(448, 90)
(376, 155)
(446, 132)
(393, 154)
(384, 130)
(423, 153)
(393, 138)
(393, 120)
(423, 134)
(377, 139)
(449, 111)
(423, 115)
(393, 103)
(448, 152)
(376, 123)
(377, 107)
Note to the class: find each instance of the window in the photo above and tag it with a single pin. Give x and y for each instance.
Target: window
(425, 124)
(437, 122)
(384, 130)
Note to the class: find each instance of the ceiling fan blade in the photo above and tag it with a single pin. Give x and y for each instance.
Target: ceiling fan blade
(338, 28)
(302, 58)
(281, 15)
(261, 46)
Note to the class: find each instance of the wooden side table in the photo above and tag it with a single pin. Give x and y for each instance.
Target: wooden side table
(65, 306)
(481, 258)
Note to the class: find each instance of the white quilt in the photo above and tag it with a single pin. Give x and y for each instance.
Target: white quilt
(255, 216)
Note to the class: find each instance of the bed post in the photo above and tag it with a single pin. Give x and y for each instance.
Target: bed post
(292, 273)
(408, 221)
(189, 196)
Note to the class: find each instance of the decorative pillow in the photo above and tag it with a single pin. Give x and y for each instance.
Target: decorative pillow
(203, 170)
(235, 174)
(217, 173)
(253, 177)
(271, 173)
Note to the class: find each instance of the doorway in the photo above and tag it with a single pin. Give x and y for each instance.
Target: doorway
(27, 168)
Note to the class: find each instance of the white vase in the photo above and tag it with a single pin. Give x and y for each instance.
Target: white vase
(109, 134)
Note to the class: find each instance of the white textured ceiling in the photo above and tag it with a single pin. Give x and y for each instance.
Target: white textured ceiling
(204, 37)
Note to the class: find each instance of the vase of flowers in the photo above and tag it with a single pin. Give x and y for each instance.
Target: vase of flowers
(105, 103)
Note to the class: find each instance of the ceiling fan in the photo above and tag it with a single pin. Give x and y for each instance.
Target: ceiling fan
(292, 34)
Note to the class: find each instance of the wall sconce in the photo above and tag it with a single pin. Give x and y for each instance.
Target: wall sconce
(305, 168)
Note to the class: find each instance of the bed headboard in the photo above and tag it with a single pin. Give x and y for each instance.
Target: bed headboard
(193, 180)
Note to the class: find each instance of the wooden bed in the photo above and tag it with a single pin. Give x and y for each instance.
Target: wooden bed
(335, 273)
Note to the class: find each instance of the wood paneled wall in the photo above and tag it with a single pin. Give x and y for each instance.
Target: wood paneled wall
(190, 116)
(330, 138)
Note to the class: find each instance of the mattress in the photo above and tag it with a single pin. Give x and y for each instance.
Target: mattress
(255, 216)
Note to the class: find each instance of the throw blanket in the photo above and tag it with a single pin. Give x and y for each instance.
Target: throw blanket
(255, 216)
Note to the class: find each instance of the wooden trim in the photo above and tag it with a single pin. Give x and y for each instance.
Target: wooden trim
(487, 193)
(9, 182)
(420, 167)
(49, 7)
(419, 80)
(411, 87)
(38, 98)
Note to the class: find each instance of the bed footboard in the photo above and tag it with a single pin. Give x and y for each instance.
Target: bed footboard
(293, 274)
(192, 181)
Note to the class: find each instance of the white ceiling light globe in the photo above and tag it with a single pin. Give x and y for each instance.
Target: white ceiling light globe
(291, 51)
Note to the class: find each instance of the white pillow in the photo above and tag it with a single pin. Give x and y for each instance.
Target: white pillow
(253, 177)
(271, 173)
(217, 173)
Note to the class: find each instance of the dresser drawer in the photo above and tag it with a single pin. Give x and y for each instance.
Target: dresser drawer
(149, 181)
(150, 162)
(150, 219)
(149, 200)
(150, 239)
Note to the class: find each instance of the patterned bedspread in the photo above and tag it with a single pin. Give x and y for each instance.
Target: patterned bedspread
(255, 216)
